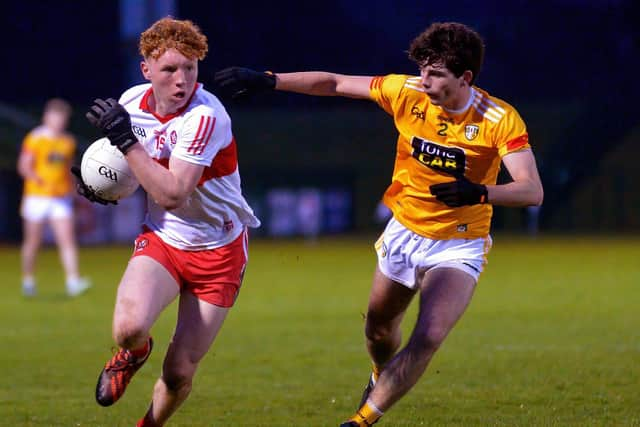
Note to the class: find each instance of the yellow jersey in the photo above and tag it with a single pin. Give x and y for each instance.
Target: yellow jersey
(52, 159)
(436, 145)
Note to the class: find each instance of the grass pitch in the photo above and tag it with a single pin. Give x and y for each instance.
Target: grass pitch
(552, 338)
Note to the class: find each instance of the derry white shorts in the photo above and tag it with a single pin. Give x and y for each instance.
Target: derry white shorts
(40, 208)
(402, 253)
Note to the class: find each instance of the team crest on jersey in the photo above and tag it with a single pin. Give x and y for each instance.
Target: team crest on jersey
(173, 137)
(471, 131)
(141, 244)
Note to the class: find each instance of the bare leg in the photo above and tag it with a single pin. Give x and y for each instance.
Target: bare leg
(198, 325)
(30, 244)
(445, 294)
(65, 238)
(145, 290)
(387, 304)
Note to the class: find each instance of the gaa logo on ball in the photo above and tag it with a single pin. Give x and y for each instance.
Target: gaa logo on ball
(106, 171)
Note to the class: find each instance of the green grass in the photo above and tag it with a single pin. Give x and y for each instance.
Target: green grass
(552, 338)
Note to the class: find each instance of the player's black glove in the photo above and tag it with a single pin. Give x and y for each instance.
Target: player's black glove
(87, 192)
(238, 81)
(460, 192)
(114, 122)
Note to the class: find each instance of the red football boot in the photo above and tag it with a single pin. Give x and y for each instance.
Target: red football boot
(117, 374)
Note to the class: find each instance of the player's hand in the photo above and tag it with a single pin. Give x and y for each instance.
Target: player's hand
(238, 81)
(87, 192)
(114, 122)
(460, 192)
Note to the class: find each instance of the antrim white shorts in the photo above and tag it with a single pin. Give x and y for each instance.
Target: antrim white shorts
(401, 253)
(39, 208)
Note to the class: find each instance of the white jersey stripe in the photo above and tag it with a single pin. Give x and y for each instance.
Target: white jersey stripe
(414, 87)
(496, 110)
(485, 107)
(488, 114)
(494, 105)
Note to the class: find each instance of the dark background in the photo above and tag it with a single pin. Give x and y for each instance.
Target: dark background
(542, 50)
(570, 67)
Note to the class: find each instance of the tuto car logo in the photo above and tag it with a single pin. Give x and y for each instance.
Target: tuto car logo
(442, 158)
(108, 173)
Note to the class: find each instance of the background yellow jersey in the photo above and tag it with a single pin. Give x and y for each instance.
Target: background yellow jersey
(52, 158)
(435, 145)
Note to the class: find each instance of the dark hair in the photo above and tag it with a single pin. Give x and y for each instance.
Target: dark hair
(456, 46)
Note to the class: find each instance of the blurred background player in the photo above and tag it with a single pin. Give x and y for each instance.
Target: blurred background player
(47, 152)
(452, 139)
(194, 241)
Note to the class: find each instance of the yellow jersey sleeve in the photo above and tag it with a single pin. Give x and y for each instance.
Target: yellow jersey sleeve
(511, 133)
(30, 143)
(385, 90)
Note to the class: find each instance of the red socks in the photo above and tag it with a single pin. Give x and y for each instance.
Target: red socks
(140, 353)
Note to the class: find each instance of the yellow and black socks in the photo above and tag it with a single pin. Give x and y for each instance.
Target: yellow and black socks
(367, 415)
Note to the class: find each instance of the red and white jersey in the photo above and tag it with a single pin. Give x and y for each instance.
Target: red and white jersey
(200, 133)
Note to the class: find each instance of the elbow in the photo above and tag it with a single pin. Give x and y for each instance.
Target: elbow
(21, 169)
(172, 195)
(171, 204)
(170, 201)
(538, 197)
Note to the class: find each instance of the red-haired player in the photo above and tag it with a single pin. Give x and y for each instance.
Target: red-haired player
(177, 139)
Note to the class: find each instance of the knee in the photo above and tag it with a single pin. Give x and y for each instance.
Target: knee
(429, 340)
(178, 378)
(30, 241)
(377, 329)
(128, 333)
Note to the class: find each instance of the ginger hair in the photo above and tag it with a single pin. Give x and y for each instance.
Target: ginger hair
(169, 33)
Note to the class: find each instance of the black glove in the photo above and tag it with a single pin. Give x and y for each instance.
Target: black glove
(460, 192)
(237, 81)
(87, 192)
(114, 122)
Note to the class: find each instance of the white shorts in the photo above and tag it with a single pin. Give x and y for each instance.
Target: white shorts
(39, 208)
(402, 253)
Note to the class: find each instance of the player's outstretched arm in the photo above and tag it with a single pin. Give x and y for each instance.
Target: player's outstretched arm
(239, 81)
(324, 84)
